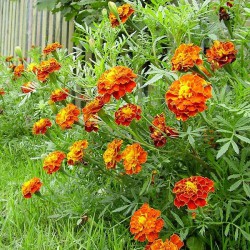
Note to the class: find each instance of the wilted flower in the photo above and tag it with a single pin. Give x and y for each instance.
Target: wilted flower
(2, 92)
(47, 67)
(221, 53)
(124, 12)
(41, 126)
(76, 153)
(174, 243)
(187, 96)
(117, 82)
(133, 156)
(51, 47)
(28, 87)
(192, 191)
(31, 187)
(59, 95)
(125, 114)
(145, 223)
(53, 161)
(8, 58)
(186, 56)
(67, 116)
(112, 154)
(18, 70)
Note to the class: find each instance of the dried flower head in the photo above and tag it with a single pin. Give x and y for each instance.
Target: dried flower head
(124, 12)
(28, 87)
(51, 47)
(133, 156)
(117, 82)
(59, 95)
(67, 116)
(8, 58)
(145, 223)
(47, 67)
(53, 161)
(125, 114)
(192, 191)
(18, 70)
(186, 56)
(112, 154)
(41, 126)
(31, 187)
(187, 96)
(76, 152)
(221, 53)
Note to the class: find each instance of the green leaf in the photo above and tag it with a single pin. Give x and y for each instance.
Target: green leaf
(195, 243)
(246, 189)
(223, 150)
(152, 80)
(178, 219)
(227, 229)
(235, 147)
(243, 138)
(228, 211)
(236, 235)
(245, 234)
(233, 176)
(46, 4)
(119, 209)
(145, 186)
(235, 185)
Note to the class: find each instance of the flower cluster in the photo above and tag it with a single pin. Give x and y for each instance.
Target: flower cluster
(124, 12)
(125, 114)
(67, 116)
(53, 161)
(76, 153)
(51, 47)
(41, 126)
(192, 191)
(145, 223)
(47, 67)
(31, 187)
(187, 96)
(59, 95)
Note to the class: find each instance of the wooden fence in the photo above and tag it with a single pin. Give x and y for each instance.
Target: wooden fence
(21, 24)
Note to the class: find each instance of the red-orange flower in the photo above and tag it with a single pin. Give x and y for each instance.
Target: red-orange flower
(160, 130)
(51, 47)
(41, 126)
(125, 114)
(2, 92)
(28, 87)
(76, 152)
(133, 156)
(59, 95)
(145, 223)
(30, 187)
(186, 56)
(67, 116)
(192, 191)
(174, 243)
(187, 96)
(91, 124)
(47, 67)
(18, 70)
(53, 161)
(124, 12)
(112, 154)
(221, 53)
(117, 82)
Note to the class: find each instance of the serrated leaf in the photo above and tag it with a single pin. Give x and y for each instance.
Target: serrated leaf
(227, 229)
(245, 234)
(235, 147)
(235, 185)
(223, 150)
(195, 243)
(246, 188)
(233, 176)
(119, 209)
(152, 80)
(243, 138)
(191, 140)
(236, 235)
(177, 218)
(145, 186)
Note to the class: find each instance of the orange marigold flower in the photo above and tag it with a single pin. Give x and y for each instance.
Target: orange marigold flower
(28, 87)
(31, 187)
(124, 12)
(174, 243)
(221, 53)
(41, 126)
(125, 114)
(192, 191)
(160, 130)
(32, 67)
(76, 153)
(112, 154)
(51, 47)
(117, 82)
(91, 124)
(8, 58)
(59, 95)
(47, 67)
(187, 96)
(133, 156)
(67, 116)
(2, 92)
(186, 56)
(53, 161)
(145, 224)
(18, 70)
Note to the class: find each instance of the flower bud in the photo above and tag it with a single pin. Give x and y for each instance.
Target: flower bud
(18, 51)
(104, 12)
(113, 9)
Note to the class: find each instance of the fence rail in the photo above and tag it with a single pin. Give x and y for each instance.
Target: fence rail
(21, 24)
